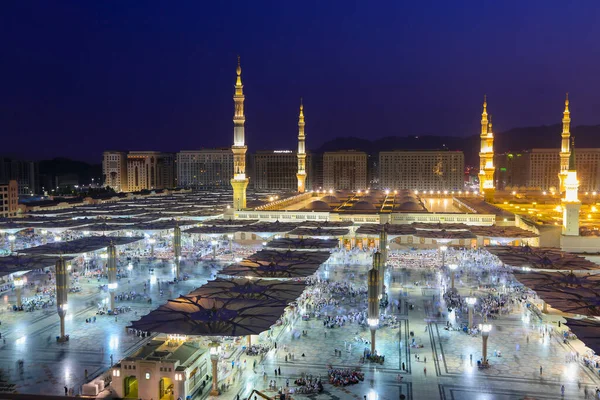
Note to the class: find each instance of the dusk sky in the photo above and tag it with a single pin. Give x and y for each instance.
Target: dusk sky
(81, 77)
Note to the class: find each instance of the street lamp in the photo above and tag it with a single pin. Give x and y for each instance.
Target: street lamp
(11, 239)
(485, 333)
(452, 268)
(471, 304)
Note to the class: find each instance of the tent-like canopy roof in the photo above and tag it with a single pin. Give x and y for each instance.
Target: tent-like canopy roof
(320, 232)
(204, 316)
(278, 264)
(103, 228)
(541, 258)
(79, 246)
(26, 262)
(161, 225)
(213, 230)
(282, 257)
(567, 292)
(282, 291)
(303, 244)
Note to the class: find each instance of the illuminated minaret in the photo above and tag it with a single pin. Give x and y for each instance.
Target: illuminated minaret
(564, 146)
(239, 181)
(571, 203)
(486, 156)
(301, 175)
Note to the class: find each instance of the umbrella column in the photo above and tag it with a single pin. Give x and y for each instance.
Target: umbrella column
(471, 304)
(380, 267)
(61, 296)
(152, 242)
(214, 359)
(18, 282)
(112, 273)
(177, 249)
(373, 297)
(383, 245)
(452, 268)
(485, 333)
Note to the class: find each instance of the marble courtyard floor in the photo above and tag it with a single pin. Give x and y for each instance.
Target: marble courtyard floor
(49, 366)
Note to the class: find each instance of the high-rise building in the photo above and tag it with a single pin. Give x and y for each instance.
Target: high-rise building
(9, 198)
(205, 169)
(148, 170)
(239, 183)
(564, 146)
(421, 170)
(315, 171)
(345, 170)
(486, 156)
(278, 170)
(114, 170)
(512, 169)
(26, 173)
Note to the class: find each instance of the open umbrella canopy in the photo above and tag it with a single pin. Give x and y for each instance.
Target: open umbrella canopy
(544, 258)
(303, 244)
(278, 264)
(282, 291)
(440, 226)
(213, 230)
(161, 225)
(269, 227)
(229, 222)
(26, 262)
(392, 230)
(80, 246)
(509, 232)
(586, 330)
(567, 292)
(103, 227)
(443, 234)
(205, 316)
(320, 232)
(326, 224)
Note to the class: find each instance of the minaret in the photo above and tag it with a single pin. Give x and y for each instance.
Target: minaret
(486, 156)
(564, 147)
(571, 203)
(239, 181)
(301, 175)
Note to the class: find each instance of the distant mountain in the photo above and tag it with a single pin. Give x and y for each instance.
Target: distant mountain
(547, 136)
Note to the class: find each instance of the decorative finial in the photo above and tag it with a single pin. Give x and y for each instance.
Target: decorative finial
(301, 104)
(485, 100)
(567, 102)
(239, 67)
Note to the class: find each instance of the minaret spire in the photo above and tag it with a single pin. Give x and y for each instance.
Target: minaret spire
(239, 181)
(571, 203)
(564, 147)
(486, 155)
(301, 175)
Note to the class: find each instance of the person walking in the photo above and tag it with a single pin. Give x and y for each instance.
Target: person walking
(541, 370)
(562, 390)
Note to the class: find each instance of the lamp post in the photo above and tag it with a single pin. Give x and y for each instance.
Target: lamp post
(443, 250)
(112, 273)
(61, 296)
(230, 237)
(373, 299)
(177, 249)
(11, 239)
(215, 349)
(380, 267)
(18, 282)
(152, 241)
(452, 268)
(383, 239)
(485, 333)
(471, 304)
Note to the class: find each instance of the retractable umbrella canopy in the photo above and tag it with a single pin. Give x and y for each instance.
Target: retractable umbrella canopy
(303, 244)
(80, 246)
(544, 258)
(204, 316)
(27, 262)
(281, 291)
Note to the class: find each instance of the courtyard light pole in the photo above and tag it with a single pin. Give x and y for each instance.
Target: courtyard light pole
(111, 250)
(61, 296)
(177, 249)
(471, 304)
(485, 333)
